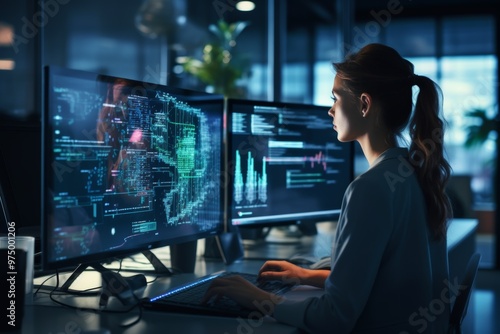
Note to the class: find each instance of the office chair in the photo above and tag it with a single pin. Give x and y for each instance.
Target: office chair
(461, 304)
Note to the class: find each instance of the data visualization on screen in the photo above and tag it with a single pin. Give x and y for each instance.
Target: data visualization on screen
(128, 166)
(286, 163)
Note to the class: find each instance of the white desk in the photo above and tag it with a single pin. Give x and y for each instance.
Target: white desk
(48, 317)
(461, 245)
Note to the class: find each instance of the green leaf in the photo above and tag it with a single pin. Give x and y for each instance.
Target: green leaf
(220, 66)
(479, 133)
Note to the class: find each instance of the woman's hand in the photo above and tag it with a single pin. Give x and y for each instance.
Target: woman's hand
(283, 271)
(291, 273)
(251, 297)
(243, 292)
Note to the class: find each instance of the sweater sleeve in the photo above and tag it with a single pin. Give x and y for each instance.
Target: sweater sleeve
(363, 231)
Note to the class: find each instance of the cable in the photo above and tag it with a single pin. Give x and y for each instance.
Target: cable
(85, 293)
(82, 293)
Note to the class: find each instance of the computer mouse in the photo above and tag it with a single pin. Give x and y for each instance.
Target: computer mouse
(323, 263)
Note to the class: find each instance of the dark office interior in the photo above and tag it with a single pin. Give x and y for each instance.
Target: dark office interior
(282, 52)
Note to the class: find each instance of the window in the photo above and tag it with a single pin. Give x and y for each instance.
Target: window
(468, 83)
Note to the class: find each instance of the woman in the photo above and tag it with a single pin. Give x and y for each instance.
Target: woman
(389, 270)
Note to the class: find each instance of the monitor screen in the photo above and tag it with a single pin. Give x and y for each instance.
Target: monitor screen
(127, 166)
(285, 162)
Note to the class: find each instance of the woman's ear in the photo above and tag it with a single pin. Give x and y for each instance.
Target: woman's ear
(366, 103)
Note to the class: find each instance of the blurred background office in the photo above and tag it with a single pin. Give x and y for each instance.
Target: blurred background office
(268, 50)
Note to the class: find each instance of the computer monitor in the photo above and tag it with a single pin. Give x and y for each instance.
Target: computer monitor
(128, 166)
(285, 163)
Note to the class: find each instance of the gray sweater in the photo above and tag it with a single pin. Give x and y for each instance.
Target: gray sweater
(388, 273)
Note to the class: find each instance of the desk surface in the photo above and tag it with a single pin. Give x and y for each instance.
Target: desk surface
(46, 316)
(460, 229)
(79, 320)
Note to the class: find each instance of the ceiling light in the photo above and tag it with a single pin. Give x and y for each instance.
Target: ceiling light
(7, 64)
(245, 6)
(6, 34)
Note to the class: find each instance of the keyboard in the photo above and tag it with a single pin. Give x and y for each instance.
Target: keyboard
(187, 298)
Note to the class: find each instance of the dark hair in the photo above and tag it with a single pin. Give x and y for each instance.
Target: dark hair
(380, 71)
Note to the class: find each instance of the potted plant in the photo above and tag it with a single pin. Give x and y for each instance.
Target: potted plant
(220, 67)
(478, 133)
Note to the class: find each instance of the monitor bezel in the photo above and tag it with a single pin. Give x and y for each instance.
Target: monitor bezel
(282, 220)
(46, 159)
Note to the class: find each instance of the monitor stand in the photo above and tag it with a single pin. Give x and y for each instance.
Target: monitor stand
(226, 246)
(183, 256)
(307, 227)
(292, 233)
(281, 242)
(289, 232)
(284, 235)
(158, 266)
(114, 284)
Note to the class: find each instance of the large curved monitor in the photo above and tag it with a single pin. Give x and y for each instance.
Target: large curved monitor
(127, 166)
(285, 162)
